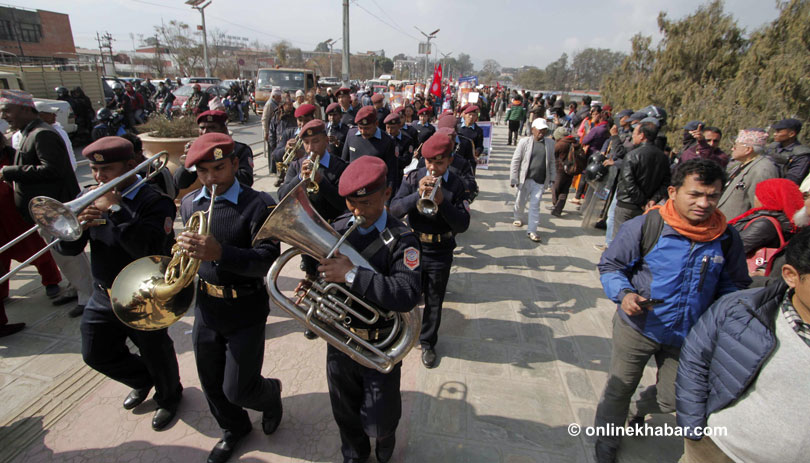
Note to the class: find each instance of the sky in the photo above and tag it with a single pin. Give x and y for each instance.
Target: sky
(512, 32)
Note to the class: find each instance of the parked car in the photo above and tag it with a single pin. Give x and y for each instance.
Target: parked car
(200, 80)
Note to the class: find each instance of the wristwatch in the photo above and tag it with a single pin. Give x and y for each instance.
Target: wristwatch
(350, 275)
(114, 208)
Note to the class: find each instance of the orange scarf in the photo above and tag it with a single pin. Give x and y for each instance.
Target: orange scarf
(708, 230)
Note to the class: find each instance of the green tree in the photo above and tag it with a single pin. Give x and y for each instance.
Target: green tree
(463, 65)
(557, 73)
(281, 51)
(532, 78)
(322, 47)
(386, 64)
(591, 65)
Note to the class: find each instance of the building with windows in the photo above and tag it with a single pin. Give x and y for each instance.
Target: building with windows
(35, 36)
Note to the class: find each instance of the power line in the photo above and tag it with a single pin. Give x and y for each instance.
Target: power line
(383, 21)
(393, 21)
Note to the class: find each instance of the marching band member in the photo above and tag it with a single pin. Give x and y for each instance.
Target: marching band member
(217, 121)
(232, 305)
(404, 145)
(336, 130)
(303, 114)
(368, 140)
(365, 402)
(470, 130)
(424, 127)
(437, 232)
(378, 101)
(121, 229)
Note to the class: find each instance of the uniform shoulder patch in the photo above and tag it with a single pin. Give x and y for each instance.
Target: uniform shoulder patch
(168, 225)
(466, 205)
(411, 259)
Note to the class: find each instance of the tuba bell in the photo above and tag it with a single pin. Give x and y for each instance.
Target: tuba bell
(153, 292)
(327, 308)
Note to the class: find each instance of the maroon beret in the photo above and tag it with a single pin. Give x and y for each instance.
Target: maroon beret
(342, 91)
(220, 117)
(313, 127)
(377, 97)
(364, 176)
(424, 111)
(305, 109)
(392, 118)
(212, 146)
(448, 111)
(446, 131)
(436, 146)
(399, 109)
(366, 115)
(109, 149)
(470, 108)
(332, 108)
(447, 120)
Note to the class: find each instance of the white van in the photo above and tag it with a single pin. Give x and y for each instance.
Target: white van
(65, 115)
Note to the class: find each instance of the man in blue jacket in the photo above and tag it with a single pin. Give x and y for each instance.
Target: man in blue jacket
(664, 269)
(744, 368)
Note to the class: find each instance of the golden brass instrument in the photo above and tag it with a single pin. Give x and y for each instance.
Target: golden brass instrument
(328, 308)
(289, 157)
(313, 186)
(61, 220)
(426, 205)
(153, 292)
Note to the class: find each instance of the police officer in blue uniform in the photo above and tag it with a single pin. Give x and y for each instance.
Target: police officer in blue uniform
(231, 305)
(437, 232)
(217, 121)
(348, 112)
(336, 130)
(404, 145)
(365, 402)
(468, 128)
(368, 140)
(121, 229)
(378, 101)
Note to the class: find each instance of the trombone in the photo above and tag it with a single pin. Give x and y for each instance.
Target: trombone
(289, 157)
(61, 221)
(426, 205)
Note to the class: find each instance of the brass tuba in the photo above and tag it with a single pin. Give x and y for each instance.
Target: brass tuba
(326, 308)
(153, 292)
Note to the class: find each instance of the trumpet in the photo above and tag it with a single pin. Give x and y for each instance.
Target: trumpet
(289, 157)
(61, 220)
(426, 205)
(153, 292)
(313, 187)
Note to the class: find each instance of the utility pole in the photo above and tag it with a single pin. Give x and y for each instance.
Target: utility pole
(331, 44)
(345, 71)
(444, 67)
(429, 37)
(105, 41)
(196, 4)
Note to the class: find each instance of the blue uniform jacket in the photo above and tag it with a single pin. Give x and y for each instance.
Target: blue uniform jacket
(724, 352)
(689, 276)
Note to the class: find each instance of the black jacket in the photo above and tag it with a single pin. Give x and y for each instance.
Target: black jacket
(41, 168)
(761, 232)
(644, 177)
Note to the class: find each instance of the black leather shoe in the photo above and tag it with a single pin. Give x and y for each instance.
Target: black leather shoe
(76, 311)
(162, 418)
(428, 357)
(11, 328)
(135, 398)
(309, 334)
(272, 418)
(223, 450)
(385, 449)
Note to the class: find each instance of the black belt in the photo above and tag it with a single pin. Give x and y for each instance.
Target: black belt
(435, 237)
(229, 291)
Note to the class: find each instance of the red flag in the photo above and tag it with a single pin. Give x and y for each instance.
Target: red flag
(436, 86)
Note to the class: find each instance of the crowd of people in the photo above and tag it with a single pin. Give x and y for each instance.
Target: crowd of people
(686, 230)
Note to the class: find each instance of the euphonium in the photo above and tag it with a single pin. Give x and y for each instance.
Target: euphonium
(426, 205)
(326, 308)
(153, 292)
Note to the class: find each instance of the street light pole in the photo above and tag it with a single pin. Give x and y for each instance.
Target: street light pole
(345, 67)
(196, 4)
(429, 37)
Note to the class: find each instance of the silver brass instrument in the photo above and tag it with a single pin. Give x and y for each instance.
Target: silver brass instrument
(426, 205)
(61, 220)
(313, 186)
(328, 308)
(153, 292)
(287, 159)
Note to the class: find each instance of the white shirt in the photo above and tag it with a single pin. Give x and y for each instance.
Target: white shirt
(56, 125)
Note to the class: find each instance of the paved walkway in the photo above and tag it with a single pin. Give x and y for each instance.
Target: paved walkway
(524, 351)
